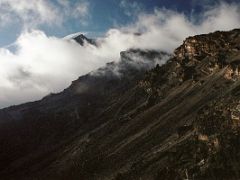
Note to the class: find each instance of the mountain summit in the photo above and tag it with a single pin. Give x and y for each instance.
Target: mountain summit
(135, 119)
(81, 39)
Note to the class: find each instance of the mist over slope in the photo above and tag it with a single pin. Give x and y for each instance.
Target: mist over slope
(139, 118)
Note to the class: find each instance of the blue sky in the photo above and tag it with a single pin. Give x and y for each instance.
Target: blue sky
(100, 16)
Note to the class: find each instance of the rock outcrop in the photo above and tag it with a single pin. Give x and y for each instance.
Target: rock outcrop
(81, 39)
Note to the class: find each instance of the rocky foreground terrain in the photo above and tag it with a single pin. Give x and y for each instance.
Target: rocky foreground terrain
(135, 119)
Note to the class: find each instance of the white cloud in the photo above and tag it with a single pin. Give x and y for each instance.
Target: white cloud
(78, 10)
(222, 17)
(166, 29)
(37, 11)
(131, 8)
(32, 13)
(43, 64)
(81, 10)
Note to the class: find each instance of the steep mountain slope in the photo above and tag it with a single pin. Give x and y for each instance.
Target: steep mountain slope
(35, 130)
(176, 121)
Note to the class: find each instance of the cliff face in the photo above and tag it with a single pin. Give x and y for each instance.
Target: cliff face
(205, 73)
(129, 120)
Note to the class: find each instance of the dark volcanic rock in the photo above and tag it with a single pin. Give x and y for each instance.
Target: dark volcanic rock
(129, 120)
(81, 39)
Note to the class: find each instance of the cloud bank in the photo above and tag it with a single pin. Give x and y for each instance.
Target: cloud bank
(41, 12)
(41, 64)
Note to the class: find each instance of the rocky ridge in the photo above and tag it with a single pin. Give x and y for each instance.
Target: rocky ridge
(81, 39)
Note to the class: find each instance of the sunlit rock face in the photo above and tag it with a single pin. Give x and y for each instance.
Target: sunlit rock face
(216, 45)
(213, 51)
(205, 65)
